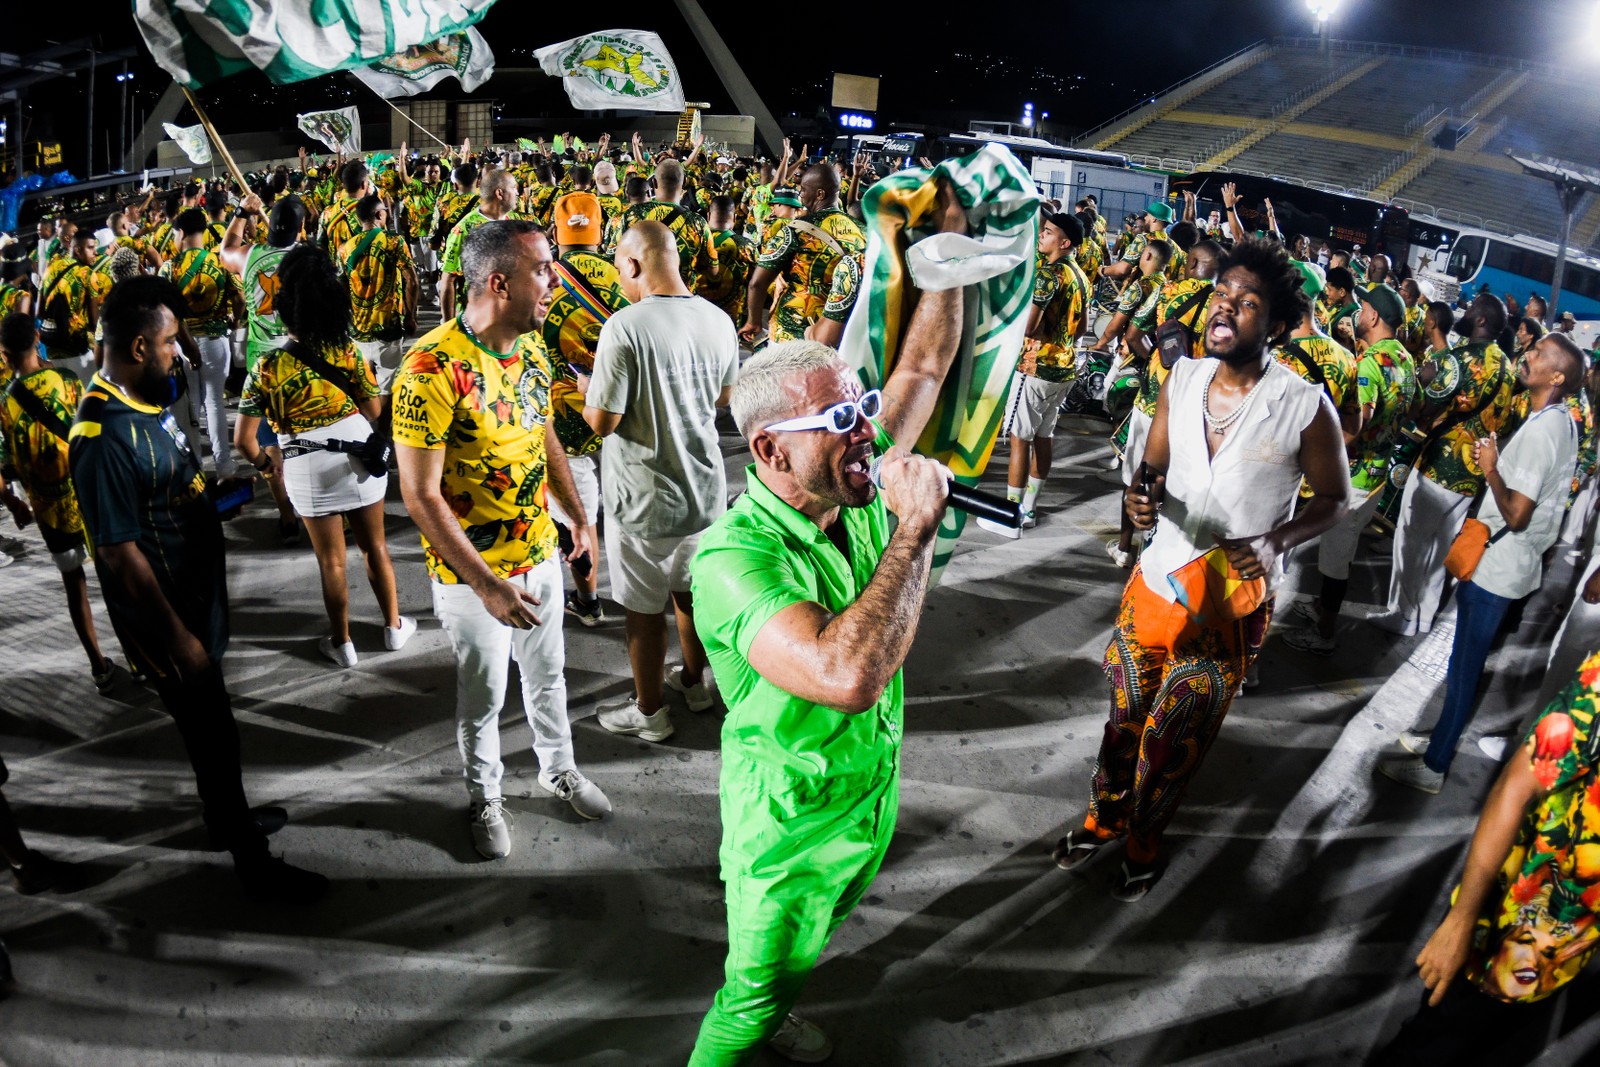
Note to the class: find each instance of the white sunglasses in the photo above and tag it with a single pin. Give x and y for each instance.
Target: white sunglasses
(840, 418)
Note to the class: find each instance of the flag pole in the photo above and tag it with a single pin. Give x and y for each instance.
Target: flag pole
(409, 119)
(216, 139)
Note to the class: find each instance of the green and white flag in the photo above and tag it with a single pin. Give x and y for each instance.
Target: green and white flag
(200, 42)
(192, 139)
(464, 56)
(994, 262)
(339, 129)
(616, 68)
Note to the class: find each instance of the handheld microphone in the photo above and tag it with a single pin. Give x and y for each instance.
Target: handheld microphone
(965, 498)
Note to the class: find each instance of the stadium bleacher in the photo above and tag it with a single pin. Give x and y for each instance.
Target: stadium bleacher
(1362, 136)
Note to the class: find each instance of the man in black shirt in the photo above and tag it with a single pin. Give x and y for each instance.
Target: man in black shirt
(158, 551)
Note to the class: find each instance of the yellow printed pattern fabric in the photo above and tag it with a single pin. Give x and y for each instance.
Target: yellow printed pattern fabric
(208, 289)
(373, 265)
(488, 413)
(571, 333)
(736, 257)
(805, 262)
(38, 456)
(293, 398)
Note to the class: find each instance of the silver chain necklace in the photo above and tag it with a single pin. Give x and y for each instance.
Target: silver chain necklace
(1221, 426)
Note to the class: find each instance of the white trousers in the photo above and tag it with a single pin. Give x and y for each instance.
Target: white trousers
(1339, 545)
(483, 647)
(1430, 518)
(216, 356)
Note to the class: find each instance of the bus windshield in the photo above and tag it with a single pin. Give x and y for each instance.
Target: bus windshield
(1466, 257)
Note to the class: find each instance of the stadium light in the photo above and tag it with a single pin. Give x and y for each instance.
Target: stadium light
(1322, 10)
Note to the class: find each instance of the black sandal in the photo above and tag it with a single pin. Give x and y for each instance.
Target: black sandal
(1077, 848)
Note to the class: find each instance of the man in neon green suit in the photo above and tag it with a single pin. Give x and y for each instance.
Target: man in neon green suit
(810, 607)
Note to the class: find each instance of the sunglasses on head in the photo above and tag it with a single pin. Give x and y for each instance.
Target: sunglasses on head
(840, 418)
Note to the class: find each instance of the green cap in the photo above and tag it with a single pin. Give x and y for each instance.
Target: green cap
(787, 197)
(1389, 305)
(1159, 210)
(1314, 281)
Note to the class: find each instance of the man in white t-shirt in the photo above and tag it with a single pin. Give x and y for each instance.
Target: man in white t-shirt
(1527, 495)
(663, 366)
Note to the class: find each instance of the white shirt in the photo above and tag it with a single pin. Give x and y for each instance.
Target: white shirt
(1537, 462)
(661, 364)
(1248, 488)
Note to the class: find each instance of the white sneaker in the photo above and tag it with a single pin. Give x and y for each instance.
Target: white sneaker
(1415, 741)
(1122, 559)
(627, 719)
(1411, 771)
(1029, 520)
(584, 796)
(343, 655)
(395, 637)
(800, 1041)
(1010, 532)
(698, 696)
(103, 679)
(1494, 746)
(1393, 622)
(5, 560)
(1306, 612)
(491, 836)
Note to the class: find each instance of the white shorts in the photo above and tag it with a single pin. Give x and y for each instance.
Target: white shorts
(1036, 407)
(385, 357)
(646, 571)
(586, 476)
(80, 366)
(1133, 453)
(423, 256)
(331, 483)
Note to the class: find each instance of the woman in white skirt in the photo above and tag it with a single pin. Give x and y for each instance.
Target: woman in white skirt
(308, 407)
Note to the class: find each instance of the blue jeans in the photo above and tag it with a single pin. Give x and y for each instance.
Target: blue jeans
(1478, 618)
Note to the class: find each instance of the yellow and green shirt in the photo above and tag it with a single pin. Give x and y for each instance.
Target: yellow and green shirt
(39, 456)
(293, 398)
(11, 297)
(373, 264)
(488, 411)
(805, 262)
(697, 258)
(588, 291)
(1061, 289)
(65, 287)
(1467, 374)
(449, 208)
(1386, 378)
(208, 288)
(736, 257)
(337, 225)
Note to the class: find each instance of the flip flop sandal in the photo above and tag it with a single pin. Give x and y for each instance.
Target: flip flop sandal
(1130, 887)
(1076, 849)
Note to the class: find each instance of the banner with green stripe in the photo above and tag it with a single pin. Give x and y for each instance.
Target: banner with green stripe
(994, 262)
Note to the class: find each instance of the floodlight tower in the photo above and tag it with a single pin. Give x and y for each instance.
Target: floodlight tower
(1322, 12)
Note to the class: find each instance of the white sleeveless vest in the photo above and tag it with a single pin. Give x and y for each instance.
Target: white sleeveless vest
(1248, 488)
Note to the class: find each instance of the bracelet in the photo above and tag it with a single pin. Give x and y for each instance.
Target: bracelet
(267, 462)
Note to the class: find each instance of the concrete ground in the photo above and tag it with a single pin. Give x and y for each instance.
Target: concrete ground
(1300, 886)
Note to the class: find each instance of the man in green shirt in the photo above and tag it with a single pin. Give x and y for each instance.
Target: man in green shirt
(807, 607)
(1386, 384)
(497, 199)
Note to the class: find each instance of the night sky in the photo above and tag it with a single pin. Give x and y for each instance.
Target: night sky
(1081, 63)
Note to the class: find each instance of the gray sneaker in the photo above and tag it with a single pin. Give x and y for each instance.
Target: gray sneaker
(1410, 770)
(1309, 640)
(584, 796)
(490, 834)
(627, 719)
(801, 1041)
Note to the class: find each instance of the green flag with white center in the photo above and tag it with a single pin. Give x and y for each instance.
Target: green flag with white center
(994, 263)
(200, 42)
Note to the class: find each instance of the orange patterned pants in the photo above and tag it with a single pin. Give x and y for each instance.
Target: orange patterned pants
(1172, 679)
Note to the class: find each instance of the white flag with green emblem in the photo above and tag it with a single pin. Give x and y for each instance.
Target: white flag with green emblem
(339, 129)
(616, 68)
(463, 56)
(192, 139)
(994, 262)
(200, 42)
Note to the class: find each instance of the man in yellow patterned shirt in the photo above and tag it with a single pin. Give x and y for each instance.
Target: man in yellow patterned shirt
(1047, 366)
(67, 308)
(377, 269)
(478, 454)
(338, 223)
(803, 254)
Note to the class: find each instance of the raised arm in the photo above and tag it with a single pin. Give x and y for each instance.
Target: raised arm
(846, 661)
(930, 344)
